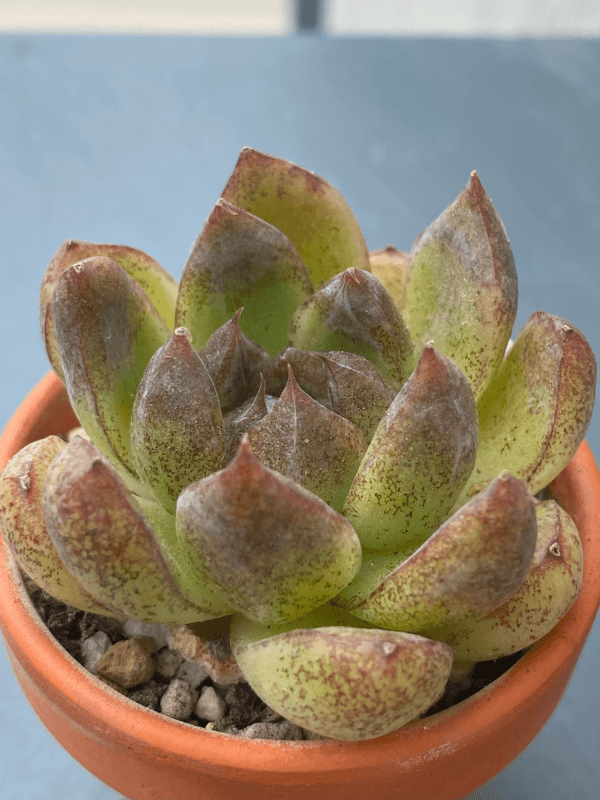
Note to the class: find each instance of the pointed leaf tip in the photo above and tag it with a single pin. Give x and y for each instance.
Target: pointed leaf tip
(305, 207)
(276, 550)
(239, 258)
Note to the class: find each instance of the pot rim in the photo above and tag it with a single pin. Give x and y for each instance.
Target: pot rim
(414, 743)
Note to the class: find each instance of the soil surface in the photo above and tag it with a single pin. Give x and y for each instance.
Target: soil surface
(184, 690)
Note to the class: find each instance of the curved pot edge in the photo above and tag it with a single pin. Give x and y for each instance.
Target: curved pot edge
(555, 654)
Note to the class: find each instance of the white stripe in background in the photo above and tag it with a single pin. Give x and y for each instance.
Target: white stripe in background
(220, 17)
(518, 18)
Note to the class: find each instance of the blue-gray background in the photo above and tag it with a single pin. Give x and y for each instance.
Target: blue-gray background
(131, 140)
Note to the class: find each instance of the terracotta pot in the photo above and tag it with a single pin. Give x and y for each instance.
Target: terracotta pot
(144, 755)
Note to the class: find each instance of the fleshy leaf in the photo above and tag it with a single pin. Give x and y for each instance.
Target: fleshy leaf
(244, 631)
(25, 531)
(534, 415)
(357, 390)
(176, 425)
(549, 590)
(105, 541)
(309, 370)
(199, 590)
(419, 459)
(160, 287)
(240, 420)
(106, 330)
(472, 564)
(462, 288)
(305, 441)
(234, 363)
(239, 260)
(311, 212)
(346, 683)
(275, 549)
(392, 267)
(354, 313)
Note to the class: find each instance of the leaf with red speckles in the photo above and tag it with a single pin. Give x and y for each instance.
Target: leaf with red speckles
(275, 549)
(474, 562)
(106, 330)
(462, 286)
(418, 460)
(25, 531)
(549, 590)
(156, 282)
(234, 363)
(239, 260)
(357, 390)
(353, 312)
(308, 209)
(534, 415)
(176, 424)
(305, 441)
(106, 542)
(344, 682)
(392, 267)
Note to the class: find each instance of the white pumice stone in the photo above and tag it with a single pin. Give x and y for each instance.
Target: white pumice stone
(210, 706)
(93, 648)
(176, 702)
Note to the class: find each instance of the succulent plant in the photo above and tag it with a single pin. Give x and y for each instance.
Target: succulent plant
(340, 450)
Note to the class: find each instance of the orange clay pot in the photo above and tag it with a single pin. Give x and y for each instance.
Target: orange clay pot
(145, 755)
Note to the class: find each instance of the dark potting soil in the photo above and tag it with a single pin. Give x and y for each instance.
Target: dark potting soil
(241, 711)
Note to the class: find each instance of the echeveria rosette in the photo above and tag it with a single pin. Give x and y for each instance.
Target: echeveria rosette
(330, 447)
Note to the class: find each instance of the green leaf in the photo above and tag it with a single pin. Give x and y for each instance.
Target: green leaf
(239, 260)
(305, 441)
(549, 590)
(354, 313)
(344, 682)
(392, 267)
(234, 363)
(311, 212)
(418, 460)
(25, 531)
(462, 287)
(106, 330)
(534, 415)
(275, 549)
(156, 282)
(105, 541)
(176, 425)
(357, 390)
(472, 564)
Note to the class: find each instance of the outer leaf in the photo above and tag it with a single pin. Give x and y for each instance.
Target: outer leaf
(105, 541)
(346, 683)
(354, 313)
(535, 414)
(472, 564)
(160, 287)
(392, 267)
(276, 550)
(24, 528)
(240, 260)
(419, 458)
(310, 444)
(176, 425)
(549, 590)
(462, 289)
(311, 212)
(181, 564)
(106, 330)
